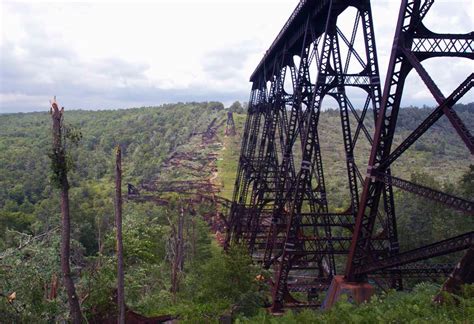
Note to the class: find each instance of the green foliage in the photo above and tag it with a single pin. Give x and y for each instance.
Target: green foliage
(72, 134)
(236, 107)
(15, 220)
(61, 158)
(214, 105)
(467, 183)
(225, 277)
(226, 282)
(99, 285)
(28, 272)
(393, 307)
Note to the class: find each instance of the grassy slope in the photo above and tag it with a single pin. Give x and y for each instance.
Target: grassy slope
(229, 157)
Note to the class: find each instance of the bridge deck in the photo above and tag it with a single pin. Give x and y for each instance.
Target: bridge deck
(290, 34)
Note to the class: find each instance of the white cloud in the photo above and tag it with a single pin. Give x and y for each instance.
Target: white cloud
(107, 54)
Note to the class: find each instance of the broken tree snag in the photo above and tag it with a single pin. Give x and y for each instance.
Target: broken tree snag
(462, 274)
(59, 168)
(53, 293)
(118, 224)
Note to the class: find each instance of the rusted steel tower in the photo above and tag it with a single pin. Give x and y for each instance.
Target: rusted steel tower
(230, 125)
(281, 207)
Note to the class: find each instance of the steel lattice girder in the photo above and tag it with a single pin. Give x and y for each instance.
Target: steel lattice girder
(458, 243)
(416, 271)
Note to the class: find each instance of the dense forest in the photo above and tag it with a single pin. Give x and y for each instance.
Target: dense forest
(209, 283)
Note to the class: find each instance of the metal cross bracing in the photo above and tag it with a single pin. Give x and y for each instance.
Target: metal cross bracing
(280, 205)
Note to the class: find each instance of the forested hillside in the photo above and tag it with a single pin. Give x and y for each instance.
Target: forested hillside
(30, 214)
(147, 136)
(210, 283)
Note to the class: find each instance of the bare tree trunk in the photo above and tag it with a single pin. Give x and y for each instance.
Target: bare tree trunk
(118, 222)
(193, 242)
(191, 233)
(178, 253)
(174, 264)
(60, 169)
(54, 287)
(181, 241)
(99, 259)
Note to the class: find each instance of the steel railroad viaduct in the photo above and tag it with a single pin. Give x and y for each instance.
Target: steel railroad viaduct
(281, 208)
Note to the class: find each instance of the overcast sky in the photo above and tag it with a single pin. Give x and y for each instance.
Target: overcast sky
(118, 54)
